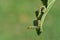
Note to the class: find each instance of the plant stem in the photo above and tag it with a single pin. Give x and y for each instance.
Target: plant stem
(47, 10)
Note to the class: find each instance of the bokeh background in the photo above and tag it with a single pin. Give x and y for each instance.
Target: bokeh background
(17, 15)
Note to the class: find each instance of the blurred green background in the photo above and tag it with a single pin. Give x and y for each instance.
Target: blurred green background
(17, 15)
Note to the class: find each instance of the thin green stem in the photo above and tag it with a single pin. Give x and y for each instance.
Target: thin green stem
(47, 10)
